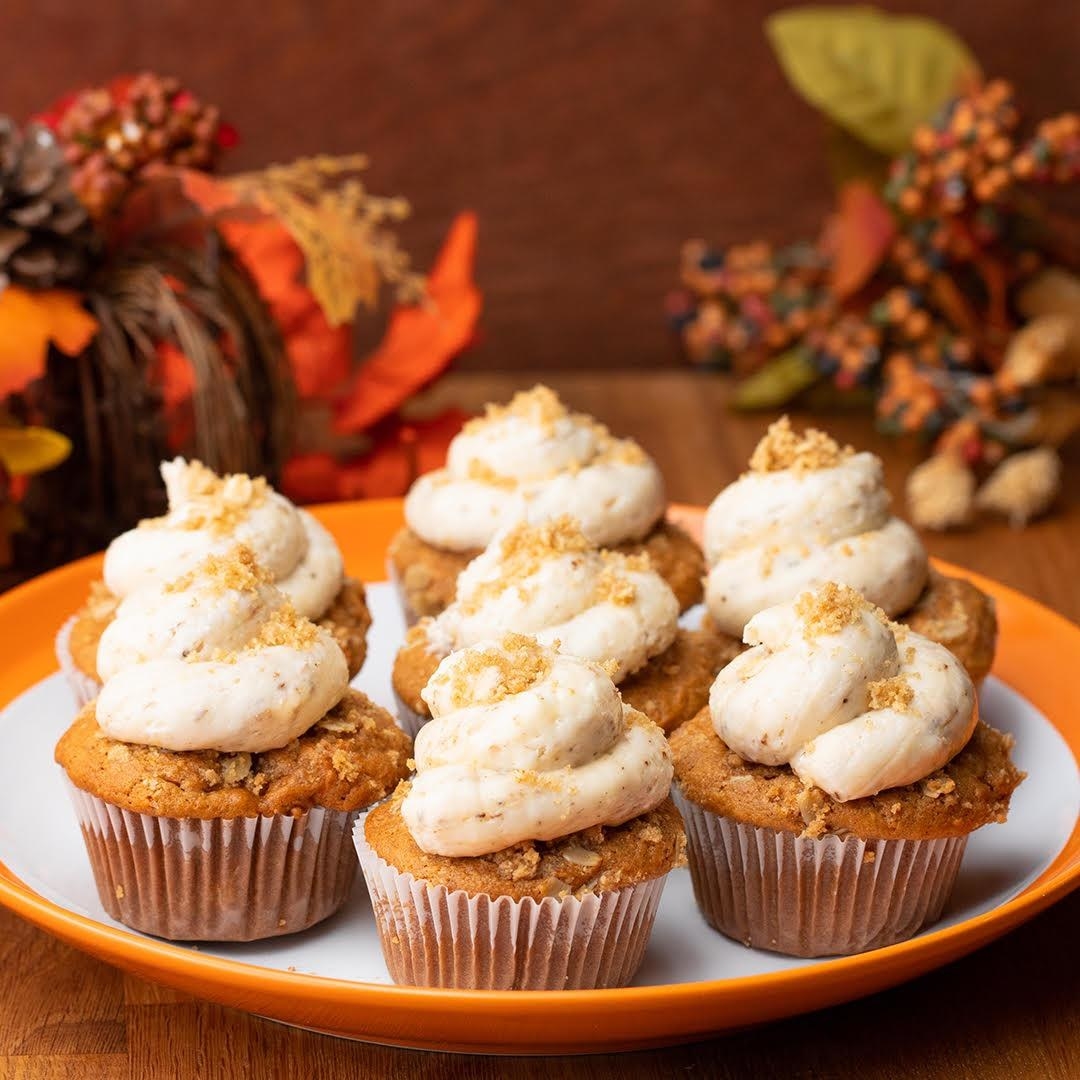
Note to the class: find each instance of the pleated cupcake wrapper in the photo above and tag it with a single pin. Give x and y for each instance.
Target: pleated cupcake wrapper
(432, 936)
(226, 879)
(814, 897)
(83, 688)
(408, 719)
(394, 578)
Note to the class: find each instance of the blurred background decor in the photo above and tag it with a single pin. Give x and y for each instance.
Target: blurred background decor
(942, 289)
(150, 308)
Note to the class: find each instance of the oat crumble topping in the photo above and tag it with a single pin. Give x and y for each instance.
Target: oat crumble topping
(782, 449)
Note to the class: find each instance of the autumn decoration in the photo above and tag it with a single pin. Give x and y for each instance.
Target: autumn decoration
(943, 289)
(150, 306)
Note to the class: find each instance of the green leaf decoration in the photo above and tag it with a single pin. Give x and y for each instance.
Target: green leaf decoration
(876, 75)
(777, 381)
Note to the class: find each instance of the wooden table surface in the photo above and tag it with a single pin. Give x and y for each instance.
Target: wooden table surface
(1009, 1011)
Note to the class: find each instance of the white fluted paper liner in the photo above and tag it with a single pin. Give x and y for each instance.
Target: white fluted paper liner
(226, 879)
(394, 578)
(408, 719)
(802, 896)
(83, 688)
(432, 936)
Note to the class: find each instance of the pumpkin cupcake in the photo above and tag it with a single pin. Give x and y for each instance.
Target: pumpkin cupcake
(533, 460)
(217, 775)
(210, 515)
(811, 511)
(548, 581)
(530, 849)
(830, 787)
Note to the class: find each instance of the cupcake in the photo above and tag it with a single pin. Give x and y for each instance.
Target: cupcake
(210, 515)
(549, 582)
(830, 787)
(810, 511)
(218, 774)
(530, 849)
(533, 460)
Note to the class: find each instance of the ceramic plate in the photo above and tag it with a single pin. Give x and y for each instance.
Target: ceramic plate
(694, 982)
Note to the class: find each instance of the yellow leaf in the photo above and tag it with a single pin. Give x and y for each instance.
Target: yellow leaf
(28, 450)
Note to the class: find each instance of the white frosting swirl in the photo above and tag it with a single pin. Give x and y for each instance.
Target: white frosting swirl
(549, 582)
(853, 703)
(532, 461)
(771, 534)
(215, 660)
(210, 515)
(528, 744)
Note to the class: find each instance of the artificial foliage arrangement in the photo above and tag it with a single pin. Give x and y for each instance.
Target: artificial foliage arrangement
(150, 307)
(942, 289)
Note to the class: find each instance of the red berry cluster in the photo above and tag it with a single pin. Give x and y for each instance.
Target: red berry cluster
(112, 133)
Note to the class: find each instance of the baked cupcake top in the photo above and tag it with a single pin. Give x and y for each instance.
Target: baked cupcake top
(550, 582)
(528, 744)
(216, 659)
(533, 460)
(210, 515)
(807, 512)
(852, 702)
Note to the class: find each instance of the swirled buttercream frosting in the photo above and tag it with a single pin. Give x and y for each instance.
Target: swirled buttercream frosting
(528, 744)
(216, 659)
(533, 460)
(210, 515)
(854, 703)
(807, 512)
(550, 582)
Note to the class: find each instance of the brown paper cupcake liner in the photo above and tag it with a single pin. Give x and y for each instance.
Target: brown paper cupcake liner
(226, 879)
(802, 896)
(432, 936)
(83, 688)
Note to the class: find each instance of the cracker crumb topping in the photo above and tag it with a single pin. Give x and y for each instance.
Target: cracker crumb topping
(237, 571)
(782, 449)
(542, 408)
(215, 503)
(830, 609)
(518, 663)
(894, 693)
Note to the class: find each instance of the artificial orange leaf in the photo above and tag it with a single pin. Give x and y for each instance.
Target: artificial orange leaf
(859, 236)
(397, 458)
(28, 322)
(421, 339)
(28, 450)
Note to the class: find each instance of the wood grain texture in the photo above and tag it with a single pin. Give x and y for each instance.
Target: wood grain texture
(592, 138)
(1011, 1010)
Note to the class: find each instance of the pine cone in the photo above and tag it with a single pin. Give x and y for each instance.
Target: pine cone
(45, 234)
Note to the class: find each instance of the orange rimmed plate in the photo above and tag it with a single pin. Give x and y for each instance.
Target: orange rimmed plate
(694, 982)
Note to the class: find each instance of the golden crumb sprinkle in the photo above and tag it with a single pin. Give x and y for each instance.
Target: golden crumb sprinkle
(523, 551)
(613, 587)
(542, 408)
(215, 503)
(236, 571)
(894, 693)
(830, 609)
(517, 663)
(482, 473)
(781, 449)
(286, 627)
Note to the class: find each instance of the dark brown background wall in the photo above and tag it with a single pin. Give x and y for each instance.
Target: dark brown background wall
(592, 137)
